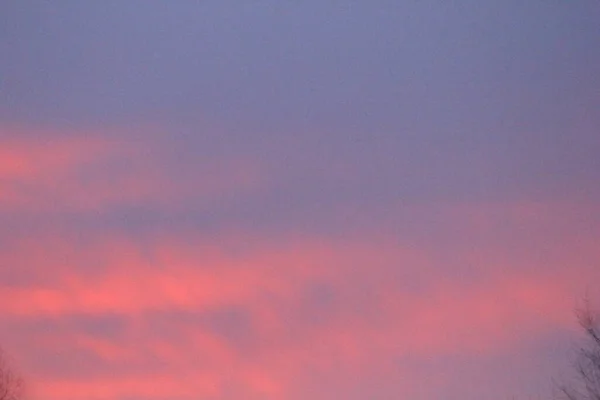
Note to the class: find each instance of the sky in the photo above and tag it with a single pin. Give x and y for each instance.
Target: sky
(290, 200)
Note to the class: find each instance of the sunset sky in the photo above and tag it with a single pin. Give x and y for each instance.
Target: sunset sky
(293, 200)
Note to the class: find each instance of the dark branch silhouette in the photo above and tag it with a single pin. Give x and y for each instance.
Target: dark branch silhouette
(586, 386)
(11, 383)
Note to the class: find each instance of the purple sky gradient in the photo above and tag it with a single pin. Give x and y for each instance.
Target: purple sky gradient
(289, 200)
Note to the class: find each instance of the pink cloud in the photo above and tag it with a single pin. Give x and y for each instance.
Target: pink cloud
(376, 300)
(77, 172)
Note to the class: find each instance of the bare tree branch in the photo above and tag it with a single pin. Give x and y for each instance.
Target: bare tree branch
(11, 383)
(586, 386)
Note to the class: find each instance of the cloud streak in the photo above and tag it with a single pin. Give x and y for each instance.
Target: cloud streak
(206, 315)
